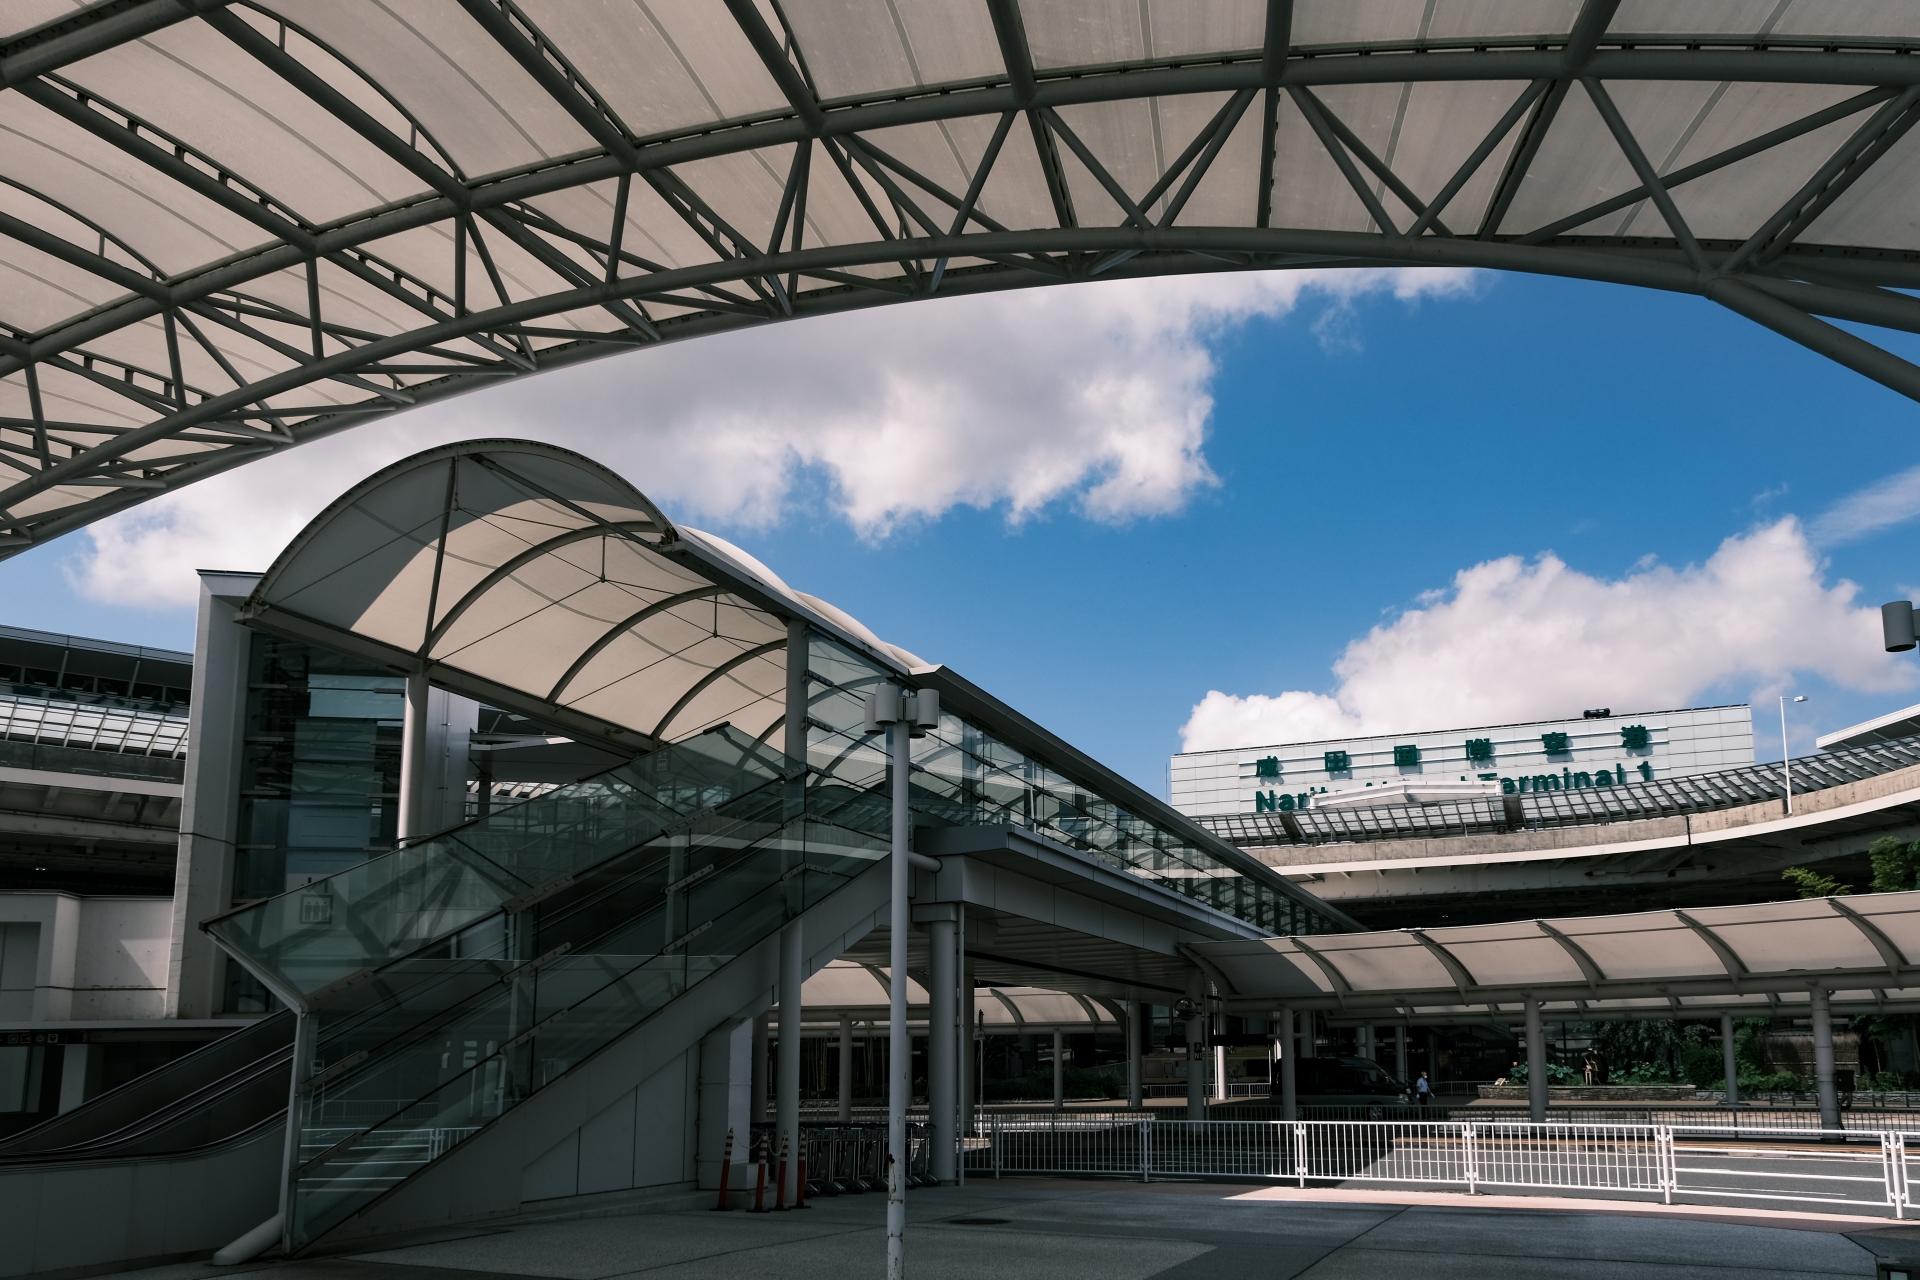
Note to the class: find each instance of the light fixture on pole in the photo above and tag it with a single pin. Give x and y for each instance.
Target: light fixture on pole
(1786, 753)
(902, 715)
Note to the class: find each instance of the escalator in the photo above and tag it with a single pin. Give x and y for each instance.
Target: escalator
(222, 1091)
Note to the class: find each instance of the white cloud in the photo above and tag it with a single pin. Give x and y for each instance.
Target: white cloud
(1514, 640)
(1894, 500)
(1092, 395)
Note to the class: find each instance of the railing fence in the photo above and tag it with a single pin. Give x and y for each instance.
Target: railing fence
(1831, 1169)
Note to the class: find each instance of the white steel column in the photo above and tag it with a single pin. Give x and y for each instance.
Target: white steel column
(942, 1045)
(786, 1086)
(1366, 1044)
(846, 1068)
(1196, 1040)
(1729, 1060)
(899, 1047)
(413, 759)
(1823, 1060)
(1134, 1028)
(1289, 1054)
(1221, 1090)
(1536, 1063)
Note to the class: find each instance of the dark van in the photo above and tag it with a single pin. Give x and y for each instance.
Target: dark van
(1344, 1082)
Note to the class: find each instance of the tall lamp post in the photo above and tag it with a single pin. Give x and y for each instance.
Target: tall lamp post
(1786, 752)
(902, 716)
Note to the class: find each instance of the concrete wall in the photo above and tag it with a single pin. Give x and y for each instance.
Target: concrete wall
(210, 805)
(91, 1214)
(644, 1139)
(66, 957)
(19, 956)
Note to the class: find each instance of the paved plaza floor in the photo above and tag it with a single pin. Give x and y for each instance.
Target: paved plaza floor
(1057, 1230)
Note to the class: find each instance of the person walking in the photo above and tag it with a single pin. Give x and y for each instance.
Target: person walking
(1422, 1090)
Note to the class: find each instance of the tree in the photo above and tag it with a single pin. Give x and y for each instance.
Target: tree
(1894, 865)
(1811, 884)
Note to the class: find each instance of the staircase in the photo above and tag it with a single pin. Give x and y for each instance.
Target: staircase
(446, 983)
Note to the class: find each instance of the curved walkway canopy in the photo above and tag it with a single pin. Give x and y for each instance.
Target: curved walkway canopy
(536, 578)
(230, 226)
(848, 988)
(1762, 958)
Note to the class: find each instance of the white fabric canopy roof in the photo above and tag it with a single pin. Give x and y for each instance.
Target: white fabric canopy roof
(859, 991)
(1758, 958)
(536, 578)
(228, 227)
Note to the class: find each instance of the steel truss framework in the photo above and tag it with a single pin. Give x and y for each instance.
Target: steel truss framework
(154, 371)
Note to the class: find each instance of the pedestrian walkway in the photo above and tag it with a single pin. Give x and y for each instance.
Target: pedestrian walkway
(1113, 1231)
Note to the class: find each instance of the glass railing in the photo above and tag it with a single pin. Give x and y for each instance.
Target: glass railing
(339, 930)
(431, 1046)
(965, 776)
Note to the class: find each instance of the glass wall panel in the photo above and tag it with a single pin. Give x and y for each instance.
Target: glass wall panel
(320, 780)
(963, 776)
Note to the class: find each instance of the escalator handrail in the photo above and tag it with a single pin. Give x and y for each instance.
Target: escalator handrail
(162, 1080)
(276, 1120)
(179, 1109)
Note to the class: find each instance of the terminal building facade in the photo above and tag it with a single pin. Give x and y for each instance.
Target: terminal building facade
(1596, 749)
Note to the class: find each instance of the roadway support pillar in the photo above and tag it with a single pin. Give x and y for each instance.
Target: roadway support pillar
(787, 1083)
(845, 1113)
(1196, 1046)
(1134, 1099)
(1823, 1060)
(969, 1041)
(942, 1047)
(1059, 1068)
(1727, 1057)
(1289, 1043)
(1365, 1037)
(1536, 1063)
(1400, 1034)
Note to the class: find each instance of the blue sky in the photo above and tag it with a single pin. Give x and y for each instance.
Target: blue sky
(1366, 451)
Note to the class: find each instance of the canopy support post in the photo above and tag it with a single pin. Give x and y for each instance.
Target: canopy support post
(845, 1114)
(1823, 1060)
(1727, 1057)
(1536, 1063)
(1196, 1041)
(942, 1040)
(1133, 1055)
(1059, 1068)
(787, 1083)
(1289, 1042)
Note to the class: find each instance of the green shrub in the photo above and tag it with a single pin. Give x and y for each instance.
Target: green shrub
(1556, 1074)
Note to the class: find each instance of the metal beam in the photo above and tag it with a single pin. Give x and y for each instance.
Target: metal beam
(94, 29)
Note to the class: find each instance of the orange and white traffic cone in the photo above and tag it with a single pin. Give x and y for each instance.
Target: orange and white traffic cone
(759, 1174)
(780, 1190)
(800, 1186)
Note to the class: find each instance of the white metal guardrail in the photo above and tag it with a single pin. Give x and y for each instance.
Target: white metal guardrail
(1822, 1169)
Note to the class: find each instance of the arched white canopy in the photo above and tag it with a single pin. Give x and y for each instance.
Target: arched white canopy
(537, 579)
(859, 991)
(1759, 958)
(230, 226)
